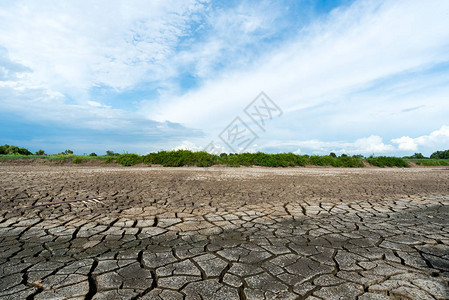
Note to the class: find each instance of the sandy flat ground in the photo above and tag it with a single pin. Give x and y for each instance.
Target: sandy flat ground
(223, 233)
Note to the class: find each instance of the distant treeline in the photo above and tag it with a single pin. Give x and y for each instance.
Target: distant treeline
(181, 158)
(203, 159)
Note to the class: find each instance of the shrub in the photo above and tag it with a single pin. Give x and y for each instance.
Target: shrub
(109, 160)
(204, 159)
(181, 158)
(432, 162)
(40, 152)
(93, 154)
(384, 161)
(59, 160)
(351, 162)
(323, 161)
(129, 159)
(77, 160)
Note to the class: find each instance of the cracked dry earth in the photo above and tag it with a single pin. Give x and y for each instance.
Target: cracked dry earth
(224, 233)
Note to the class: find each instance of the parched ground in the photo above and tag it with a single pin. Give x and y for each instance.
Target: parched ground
(224, 233)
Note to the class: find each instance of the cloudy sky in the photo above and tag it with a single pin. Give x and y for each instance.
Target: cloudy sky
(357, 77)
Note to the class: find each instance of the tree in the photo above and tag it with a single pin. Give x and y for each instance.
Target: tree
(40, 152)
(332, 154)
(440, 155)
(418, 156)
(24, 151)
(111, 153)
(67, 152)
(12, 150)
(93, 154)
(4, 149)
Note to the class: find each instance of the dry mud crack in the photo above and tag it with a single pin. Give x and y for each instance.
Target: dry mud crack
(221, 233)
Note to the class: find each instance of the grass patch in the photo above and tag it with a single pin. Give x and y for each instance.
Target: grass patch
(430, 162)
(77, 160)
(59, 158)
(16, 156)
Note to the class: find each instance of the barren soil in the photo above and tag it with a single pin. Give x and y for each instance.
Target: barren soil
(223, 233)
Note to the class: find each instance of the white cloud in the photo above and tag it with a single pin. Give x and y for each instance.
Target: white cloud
(366, 145)
(187, 145)
(406, 143)
(329, 61)
(363, 70)
(438, 139)
(212, 147)
(73, 46)
(97, 104)
(52, 54)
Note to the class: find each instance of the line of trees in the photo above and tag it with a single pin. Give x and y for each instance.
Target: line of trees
(15, 150)
(440, 155)
(203, 159)
(435, 155)
(11, 150)
(185, 157)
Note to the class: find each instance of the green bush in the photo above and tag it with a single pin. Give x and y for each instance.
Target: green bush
(431, 162)
(58, 160)
(77, 160)
(181, 158)
(109, 160)
(204, 159)
(385, 161)
(323, 161)
(129, 159)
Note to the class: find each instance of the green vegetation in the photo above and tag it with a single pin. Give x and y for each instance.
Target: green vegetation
(440, 155)
(181, 158)
(77, 160)
(428, 162)
(129, 159)
(66, 152)
(111, 153)
(13, 150)
(203, 159)
(386, 161)
(438, 158)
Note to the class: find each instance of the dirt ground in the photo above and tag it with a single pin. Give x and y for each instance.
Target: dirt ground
(223, 233)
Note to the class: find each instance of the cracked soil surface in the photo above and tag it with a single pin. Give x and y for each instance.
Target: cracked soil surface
(224, 233)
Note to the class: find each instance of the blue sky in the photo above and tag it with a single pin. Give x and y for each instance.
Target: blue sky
(357, 77)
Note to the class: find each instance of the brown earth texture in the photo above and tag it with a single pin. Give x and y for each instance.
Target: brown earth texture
(223, 233)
